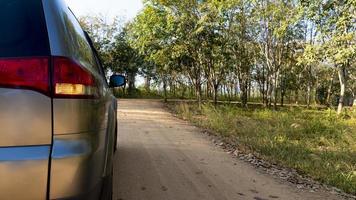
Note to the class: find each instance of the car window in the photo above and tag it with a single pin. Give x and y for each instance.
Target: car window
(80, 48)
(102, 71)
(97, 57)
(23, 29)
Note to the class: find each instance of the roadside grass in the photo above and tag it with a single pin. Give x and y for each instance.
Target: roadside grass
(137, 94)
(317, 143)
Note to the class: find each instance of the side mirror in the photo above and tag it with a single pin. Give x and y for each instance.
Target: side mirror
(117, 81)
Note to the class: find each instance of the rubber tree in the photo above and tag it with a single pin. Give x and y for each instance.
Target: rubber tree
(335, 22)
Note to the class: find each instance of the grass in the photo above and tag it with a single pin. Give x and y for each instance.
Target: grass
(137, 94)
(317, 143)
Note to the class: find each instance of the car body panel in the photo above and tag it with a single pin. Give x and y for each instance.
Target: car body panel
(73, 116)
(25, 115)
(23, 172)
(25, 118)
(77, 164)
(57, 148)
(83, 129)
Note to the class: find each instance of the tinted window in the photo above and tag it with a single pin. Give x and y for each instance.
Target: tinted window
(22, 29)
(79, 45)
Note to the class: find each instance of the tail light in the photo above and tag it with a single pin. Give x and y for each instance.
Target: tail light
(70, 80)
(28, 73)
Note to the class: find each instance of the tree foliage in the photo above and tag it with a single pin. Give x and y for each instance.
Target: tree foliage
(273, 51)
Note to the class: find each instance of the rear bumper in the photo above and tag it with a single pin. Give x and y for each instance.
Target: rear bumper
(24, 172)
(76, 169)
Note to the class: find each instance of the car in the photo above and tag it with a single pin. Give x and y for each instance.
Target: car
(58, 120)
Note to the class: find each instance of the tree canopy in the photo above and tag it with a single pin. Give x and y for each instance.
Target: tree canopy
(274, 51)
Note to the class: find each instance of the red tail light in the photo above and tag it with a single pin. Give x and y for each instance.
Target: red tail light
(26, 73)
(70, 80)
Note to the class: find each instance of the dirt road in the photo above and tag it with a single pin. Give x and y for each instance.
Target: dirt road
(163, 158)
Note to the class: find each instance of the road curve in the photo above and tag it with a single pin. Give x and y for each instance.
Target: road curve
(161, 157)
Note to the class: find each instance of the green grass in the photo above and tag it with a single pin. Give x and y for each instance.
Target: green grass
(137, 94)
(319, 144)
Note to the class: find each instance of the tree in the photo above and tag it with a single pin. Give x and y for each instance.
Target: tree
(103, 33)
(126, 60)
(276, 51)
(336, 24)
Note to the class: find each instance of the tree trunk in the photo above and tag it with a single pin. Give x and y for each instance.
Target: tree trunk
(124, 90)
(243, 82)
(148, 83)
(296, 98)
(244, 93)
(269, 91)
(183, 91)
(198, 94)
(308, 95)
(264, 86)
(232, 90)
(208, 90)
(309, 87)
(262, 93)
(283, 86)
(276, 75)
(235, 89)
(216, 87)
(165, 89)
(172, 88)
(342, 80)
(131, 83)
(328, 97)
(249, 90)
(229, 92)
(282, 98)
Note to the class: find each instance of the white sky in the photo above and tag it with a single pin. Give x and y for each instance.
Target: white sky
(110, 8)
(125, 9)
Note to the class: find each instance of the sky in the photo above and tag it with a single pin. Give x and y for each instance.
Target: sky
(125, 9)
(110, 8)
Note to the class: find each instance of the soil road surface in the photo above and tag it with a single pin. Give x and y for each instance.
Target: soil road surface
(161, 157)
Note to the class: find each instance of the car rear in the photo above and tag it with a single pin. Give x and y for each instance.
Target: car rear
(57, 114)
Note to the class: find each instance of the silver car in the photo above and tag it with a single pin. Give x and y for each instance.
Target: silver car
(58, 123)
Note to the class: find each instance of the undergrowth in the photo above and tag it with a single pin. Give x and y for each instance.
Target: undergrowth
(317, 143)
